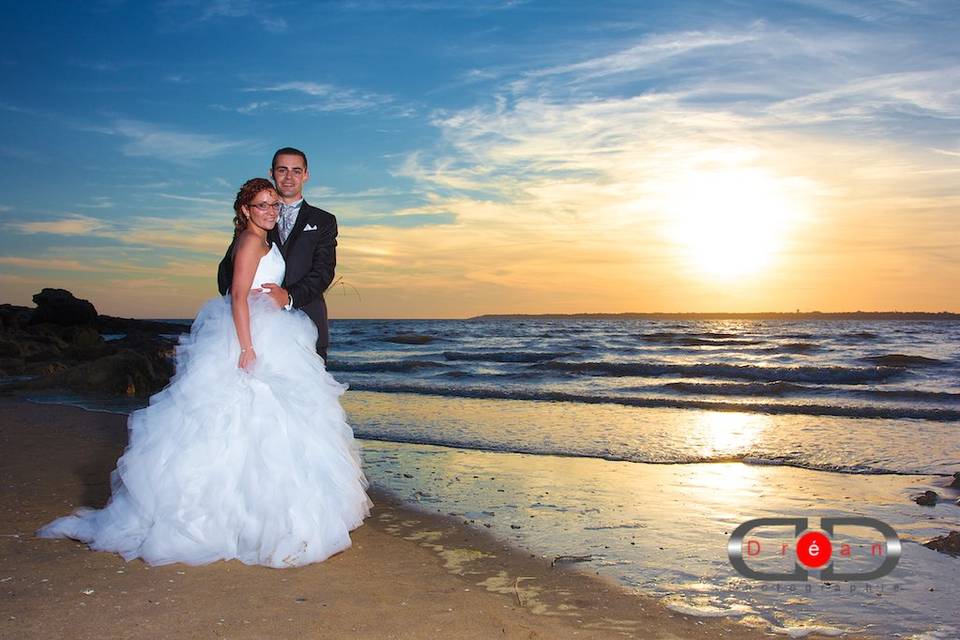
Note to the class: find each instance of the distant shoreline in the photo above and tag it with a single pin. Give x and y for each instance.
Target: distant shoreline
(762, 315)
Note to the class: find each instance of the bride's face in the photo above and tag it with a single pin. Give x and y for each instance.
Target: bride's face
(263, 209)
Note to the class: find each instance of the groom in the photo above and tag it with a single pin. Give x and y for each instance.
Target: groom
(307, 238)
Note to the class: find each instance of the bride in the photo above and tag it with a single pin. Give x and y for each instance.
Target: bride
(247, 453)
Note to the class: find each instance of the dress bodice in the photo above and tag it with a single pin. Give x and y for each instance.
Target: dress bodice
(270, 269)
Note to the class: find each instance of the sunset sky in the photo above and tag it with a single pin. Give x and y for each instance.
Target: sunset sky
(492, 157)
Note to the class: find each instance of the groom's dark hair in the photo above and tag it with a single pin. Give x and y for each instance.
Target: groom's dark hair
(288, 151)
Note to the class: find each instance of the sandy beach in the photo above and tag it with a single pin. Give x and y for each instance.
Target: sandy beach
(409, 574)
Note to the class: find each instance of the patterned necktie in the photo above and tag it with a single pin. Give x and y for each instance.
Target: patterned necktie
(286, 221)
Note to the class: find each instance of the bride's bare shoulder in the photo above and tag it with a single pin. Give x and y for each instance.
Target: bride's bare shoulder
(250, 244)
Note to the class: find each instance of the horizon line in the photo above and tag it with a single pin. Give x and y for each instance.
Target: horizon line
(669, 315)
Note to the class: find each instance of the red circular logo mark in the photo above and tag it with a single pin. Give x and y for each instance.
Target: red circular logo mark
(814, 549)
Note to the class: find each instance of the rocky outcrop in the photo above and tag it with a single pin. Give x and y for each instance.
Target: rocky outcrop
(60, 345)
(14, 317)
(949, 544)
(956, 481)
(59, 306)
(125, 372)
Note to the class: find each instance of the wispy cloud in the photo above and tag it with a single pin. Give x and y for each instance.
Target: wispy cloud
(475, 6)
(915, 92)
(314, 96)
(190, 13)
(142, 138)
(207, 235)
(873, 11)
(99, 202)
(145, 139)
(787, 75)
(72, 225)
(101, 65)
(48, 264)
(14, 278)
(221, 203)
(652, 51)
(13, 108)
(373, 192)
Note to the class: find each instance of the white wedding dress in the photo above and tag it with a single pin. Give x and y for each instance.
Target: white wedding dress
(257, 466)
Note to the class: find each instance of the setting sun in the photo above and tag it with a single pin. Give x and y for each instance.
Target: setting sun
(731, 222)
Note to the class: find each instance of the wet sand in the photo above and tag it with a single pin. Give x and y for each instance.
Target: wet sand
(409, 574)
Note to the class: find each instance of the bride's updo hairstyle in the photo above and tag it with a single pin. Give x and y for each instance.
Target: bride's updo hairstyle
(245, 196)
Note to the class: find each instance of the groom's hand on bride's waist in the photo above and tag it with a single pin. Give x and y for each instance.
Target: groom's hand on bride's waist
(279, 295)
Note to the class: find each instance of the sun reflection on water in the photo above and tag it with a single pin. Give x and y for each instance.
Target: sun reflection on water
(727, 435)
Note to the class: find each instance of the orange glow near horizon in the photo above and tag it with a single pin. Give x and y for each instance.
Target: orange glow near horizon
(788, 223)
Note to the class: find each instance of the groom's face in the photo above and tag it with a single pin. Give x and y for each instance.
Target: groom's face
(289, 173)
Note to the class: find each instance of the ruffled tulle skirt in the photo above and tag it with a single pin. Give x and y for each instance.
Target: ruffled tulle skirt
(258, 466)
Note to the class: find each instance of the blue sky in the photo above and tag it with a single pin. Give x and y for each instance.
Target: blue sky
(492, 156)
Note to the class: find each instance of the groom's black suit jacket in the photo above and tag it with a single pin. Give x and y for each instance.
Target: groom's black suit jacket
(311, 256)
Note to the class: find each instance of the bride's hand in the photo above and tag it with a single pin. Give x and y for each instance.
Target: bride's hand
(247, 357)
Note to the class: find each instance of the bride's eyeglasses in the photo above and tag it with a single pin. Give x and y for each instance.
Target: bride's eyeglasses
(263, 207)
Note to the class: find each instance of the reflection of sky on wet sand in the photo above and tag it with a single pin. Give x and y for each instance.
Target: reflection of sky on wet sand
(664, 528)
(637, 434)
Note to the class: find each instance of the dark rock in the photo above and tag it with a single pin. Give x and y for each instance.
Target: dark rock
(59, 306)
(111, 324)
(570, 559)
(89, 352)
(949, 544)
(43, 353)
(123, 373)
(81, 336)
(42, 334)
(14, 317)
(12, 366)
(41, 369)
(956, 481)
(159, 349)
(405, 338)
(10, 348)
(927, 498)
(59, 344)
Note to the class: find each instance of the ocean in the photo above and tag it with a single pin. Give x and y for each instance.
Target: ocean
(834, 385)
